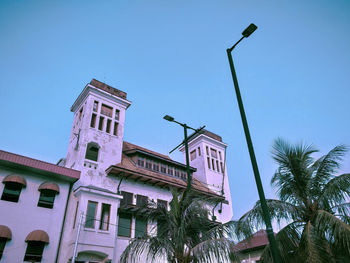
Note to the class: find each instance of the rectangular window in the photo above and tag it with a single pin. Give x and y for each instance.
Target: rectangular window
(100, 124)
(75, 214)
(156, 166)
(127, 199)
(81, 113)
(222, 168)
(217, 166)
(208, 159)
(140, 161)
(124, 225)
(220, 155)
(141, 200)
(214, 153)
(105, 213)
(140, 226)
(115, 129)
(199, 151)
(177, 173)
(91, 214)
(106, 110)
(148, 164)
(213, 164)
(162, 203)
(163, 168)
(93, 120)
(116, 116)
(183, 175)
(95, 106)
(193, 155)
(170, 170)
(108, 126)
(47, 198)
(34, 251)
(2, 245)
(11, 192)
(207, 149)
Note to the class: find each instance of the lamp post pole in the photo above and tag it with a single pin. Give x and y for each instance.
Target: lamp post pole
(185, 142)
(270, 235)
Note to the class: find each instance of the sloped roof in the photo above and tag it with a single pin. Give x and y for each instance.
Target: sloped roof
(105, 87)
(129, 169)
(256, 241)
(129, 147)
(19, 161)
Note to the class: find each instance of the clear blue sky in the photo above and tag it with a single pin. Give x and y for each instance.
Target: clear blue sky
(170, 57)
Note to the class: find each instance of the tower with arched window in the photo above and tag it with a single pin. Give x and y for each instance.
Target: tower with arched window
(98, 128)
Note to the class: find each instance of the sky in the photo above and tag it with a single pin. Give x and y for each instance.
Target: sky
(170, 58)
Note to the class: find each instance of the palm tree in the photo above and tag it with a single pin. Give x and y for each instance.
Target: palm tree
(185, 233)
(313, 202)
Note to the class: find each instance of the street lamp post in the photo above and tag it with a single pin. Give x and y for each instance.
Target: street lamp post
(270, 235)
(185, 142)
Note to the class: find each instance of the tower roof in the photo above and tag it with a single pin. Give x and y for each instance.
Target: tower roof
(105, 87)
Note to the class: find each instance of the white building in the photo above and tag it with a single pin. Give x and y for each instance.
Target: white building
(33, 202)
(117, 176)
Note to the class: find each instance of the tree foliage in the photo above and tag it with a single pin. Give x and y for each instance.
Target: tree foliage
(185, 233)
(312, 200)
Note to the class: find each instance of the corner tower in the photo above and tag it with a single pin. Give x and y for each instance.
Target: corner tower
(208, 155)
(96, 137)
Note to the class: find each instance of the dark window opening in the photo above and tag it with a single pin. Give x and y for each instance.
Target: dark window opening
(156, 166)
(95, 106)
(75, 214)
(193, 155)
(199, 151)
(11, 192)
(141, 200)
(140, 226)
(100, 124)
(127, 199)
(170, 170)
(108, 126)
(207, 149)
(124, 225)
(213, 164)
(141, 161)
(208, 162)
(115, 129)
(91, 152)
(217, 166)
(2, 246)
(34, 252)
(116, 116)
(105, 213)
(91, 214)
(163, 168)
(93, 120)
(106, 110)
(81, 113)
(47, 198)
(162, 203)
(148, 164)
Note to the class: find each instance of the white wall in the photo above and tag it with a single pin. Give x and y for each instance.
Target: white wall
(25, 216)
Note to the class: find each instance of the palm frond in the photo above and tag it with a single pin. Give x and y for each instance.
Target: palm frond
(214, 250)
(337, 231)
(335, 192)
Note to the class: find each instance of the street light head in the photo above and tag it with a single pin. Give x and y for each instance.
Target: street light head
(168, 118)
(249, 30)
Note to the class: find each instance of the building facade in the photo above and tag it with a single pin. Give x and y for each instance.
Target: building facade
(116, 177)
(34, 195)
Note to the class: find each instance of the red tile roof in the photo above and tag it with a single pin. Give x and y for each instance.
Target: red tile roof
(258, 240)
(129, 169)
(19, 161)
(128, 147)
(105, 87)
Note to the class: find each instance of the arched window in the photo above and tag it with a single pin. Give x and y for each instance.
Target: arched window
(48, 191)
(5, 235)
(36, 242)
(92, 151)
(13, 186)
